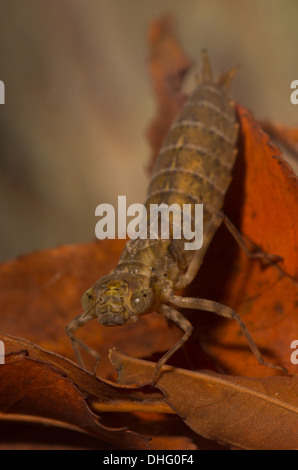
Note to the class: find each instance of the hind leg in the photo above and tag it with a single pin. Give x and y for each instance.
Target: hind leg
(227, 312)
(239, 238)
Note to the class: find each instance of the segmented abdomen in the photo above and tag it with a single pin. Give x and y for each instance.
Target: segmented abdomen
(193, 167)
(195, 161)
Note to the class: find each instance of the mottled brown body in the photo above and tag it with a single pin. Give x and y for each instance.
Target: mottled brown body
(194, 166)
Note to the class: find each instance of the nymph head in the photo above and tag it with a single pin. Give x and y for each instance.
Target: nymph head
(116, 300)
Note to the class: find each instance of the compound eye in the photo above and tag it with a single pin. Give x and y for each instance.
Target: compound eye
(136, 303)
(87, 300)
(141, 301)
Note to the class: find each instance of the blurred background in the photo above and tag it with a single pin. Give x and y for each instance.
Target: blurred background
(79, 99)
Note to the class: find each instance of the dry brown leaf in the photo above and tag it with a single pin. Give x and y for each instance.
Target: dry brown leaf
(38, 383)
(107, 394)
(49, 389)
(243, 412)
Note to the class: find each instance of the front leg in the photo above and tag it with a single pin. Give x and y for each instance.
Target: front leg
(71, 328)
(171, 314)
